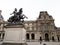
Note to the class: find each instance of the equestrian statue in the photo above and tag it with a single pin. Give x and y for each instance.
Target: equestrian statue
(17, 17)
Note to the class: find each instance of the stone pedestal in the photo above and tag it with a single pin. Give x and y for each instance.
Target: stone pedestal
(14, 35)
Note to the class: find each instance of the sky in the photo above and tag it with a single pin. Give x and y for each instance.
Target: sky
(32, 8)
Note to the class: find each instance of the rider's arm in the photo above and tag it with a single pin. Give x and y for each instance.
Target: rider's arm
(12, 13)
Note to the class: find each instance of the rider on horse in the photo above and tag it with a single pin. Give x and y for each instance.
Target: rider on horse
(18, 16)
(14, 12)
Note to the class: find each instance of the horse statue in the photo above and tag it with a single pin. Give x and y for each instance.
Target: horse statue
(18, 16)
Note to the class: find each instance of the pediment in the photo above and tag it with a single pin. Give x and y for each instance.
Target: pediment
(45, 16)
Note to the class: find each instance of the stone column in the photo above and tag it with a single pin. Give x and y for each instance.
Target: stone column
(30, 36)
(56, 37)
(1, 36)
(43, 37)
(50, 36)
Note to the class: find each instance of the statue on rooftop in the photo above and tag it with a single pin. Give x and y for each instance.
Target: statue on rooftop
(1, 17)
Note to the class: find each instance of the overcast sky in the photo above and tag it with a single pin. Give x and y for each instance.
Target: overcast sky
(31, 8)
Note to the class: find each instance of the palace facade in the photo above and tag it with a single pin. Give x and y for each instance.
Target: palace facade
(42, 29)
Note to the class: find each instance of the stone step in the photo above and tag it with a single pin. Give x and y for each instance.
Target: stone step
(13, 44)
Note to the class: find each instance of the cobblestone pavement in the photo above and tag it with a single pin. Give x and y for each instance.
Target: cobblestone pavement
(38, 43)
(47, 43)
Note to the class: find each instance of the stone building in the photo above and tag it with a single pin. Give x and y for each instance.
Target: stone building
(42, 29)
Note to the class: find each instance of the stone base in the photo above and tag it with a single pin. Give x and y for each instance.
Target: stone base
(14, 34)
(13, 44)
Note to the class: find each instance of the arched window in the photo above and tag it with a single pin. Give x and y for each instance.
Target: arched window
(52, 38)
(27, 36)
(58, 38)
(0, 35)
(40, 38)
(32, 36)
(46, 37)
(3, 35)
